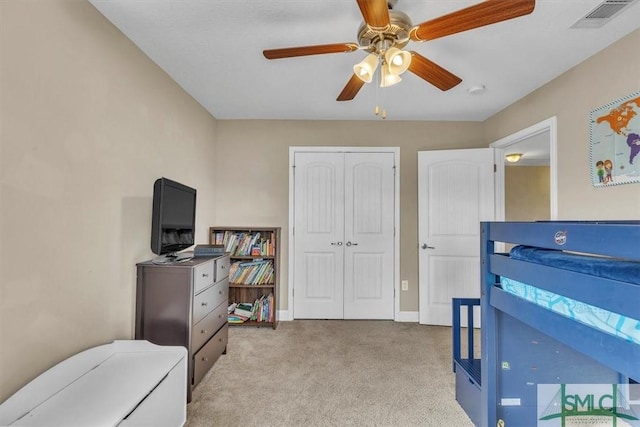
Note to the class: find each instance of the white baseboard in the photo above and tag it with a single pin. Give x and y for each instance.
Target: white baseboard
(403, 316)
(408, 316)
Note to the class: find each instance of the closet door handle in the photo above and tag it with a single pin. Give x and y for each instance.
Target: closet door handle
(351, 244)
(425, 246)
(336, 243)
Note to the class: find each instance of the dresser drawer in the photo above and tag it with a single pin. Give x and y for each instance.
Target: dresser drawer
(222, 267)
(208, 326)
(210, 298)
(221, 292)
(203, 303)
(207, 356)
(203, 276)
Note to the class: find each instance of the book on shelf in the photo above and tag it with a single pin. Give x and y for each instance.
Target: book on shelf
(272, 308)
(244, 309)
(245, 243)
(236, 319)
(257, 272)
(262, 310)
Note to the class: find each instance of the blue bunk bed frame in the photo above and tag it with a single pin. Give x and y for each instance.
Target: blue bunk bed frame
(523, 344)
(467, 367)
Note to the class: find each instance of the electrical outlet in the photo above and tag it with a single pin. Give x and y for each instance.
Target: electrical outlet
(405, 285)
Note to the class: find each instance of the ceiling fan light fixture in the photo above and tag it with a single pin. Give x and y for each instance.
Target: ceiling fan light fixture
(366, 68)
(384, 32)
(398, 60)
(513, 157)
(388, 78)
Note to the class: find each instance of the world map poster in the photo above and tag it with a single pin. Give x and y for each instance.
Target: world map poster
(615, 142)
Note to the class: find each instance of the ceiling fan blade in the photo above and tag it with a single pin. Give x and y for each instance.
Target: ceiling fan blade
(375, 13)
(351, 89)
(432, 72)
(289, 52)
(479, 15)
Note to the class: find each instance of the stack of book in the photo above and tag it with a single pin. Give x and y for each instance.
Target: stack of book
(261, 310)
(258, 272)
(240, 243)
(240, 312)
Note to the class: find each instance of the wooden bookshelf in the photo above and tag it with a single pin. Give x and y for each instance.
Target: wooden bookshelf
(255, 268)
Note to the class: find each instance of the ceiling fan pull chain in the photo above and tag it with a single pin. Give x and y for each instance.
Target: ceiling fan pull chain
(375, 78)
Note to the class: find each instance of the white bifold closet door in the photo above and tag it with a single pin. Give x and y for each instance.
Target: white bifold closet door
(344, 235)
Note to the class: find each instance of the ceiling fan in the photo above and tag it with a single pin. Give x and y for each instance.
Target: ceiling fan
(385, 32)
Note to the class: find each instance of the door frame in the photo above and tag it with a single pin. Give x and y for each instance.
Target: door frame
(499, 146)
(289, 314)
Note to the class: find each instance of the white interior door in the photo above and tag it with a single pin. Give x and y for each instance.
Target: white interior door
(319, 236)
(455, 193)
(368, 248)
(344, 235)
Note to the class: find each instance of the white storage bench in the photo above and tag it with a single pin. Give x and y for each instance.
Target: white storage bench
(125, 383)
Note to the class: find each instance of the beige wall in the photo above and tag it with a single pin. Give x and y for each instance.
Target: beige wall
(255, 165)
(611, 74)
(88, 124)
(526, 193)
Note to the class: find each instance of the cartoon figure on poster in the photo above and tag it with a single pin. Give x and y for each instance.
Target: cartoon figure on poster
(615, 142)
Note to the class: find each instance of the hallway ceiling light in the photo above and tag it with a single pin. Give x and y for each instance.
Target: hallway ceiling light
(513, 157)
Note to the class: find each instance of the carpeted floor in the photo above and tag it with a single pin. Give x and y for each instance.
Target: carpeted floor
(331, 373)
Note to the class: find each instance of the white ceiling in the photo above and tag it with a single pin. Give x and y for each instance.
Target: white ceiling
(213, 49)
(536, 150)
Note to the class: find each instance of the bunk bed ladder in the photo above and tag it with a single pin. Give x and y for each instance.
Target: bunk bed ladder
(467, 369)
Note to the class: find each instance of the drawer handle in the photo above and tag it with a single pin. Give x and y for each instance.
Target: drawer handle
(203, 331)
(204, 304)
(222, 267)
(220, 292)
(204, 359)
(205, 274)
(219, 316)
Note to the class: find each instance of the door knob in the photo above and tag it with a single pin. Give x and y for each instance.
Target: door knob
(425, 246)
(350, 244)
(336, 243)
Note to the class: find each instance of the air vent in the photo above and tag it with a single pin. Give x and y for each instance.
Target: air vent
(603, 13)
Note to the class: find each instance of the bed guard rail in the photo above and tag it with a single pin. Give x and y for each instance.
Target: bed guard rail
(470, 364)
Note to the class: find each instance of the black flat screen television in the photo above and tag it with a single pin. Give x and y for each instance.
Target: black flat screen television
(173, 218)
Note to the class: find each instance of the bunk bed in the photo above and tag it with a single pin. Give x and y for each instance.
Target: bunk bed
(562, 307)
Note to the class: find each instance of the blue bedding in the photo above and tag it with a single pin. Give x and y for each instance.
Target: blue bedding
(609, 268)
(613, 323)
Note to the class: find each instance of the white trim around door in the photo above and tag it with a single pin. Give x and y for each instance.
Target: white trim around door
(549, 125)
(289, 314)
